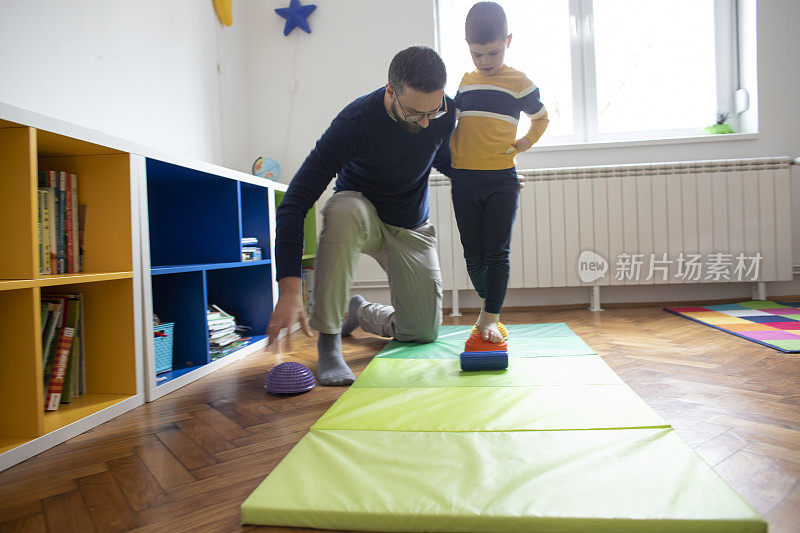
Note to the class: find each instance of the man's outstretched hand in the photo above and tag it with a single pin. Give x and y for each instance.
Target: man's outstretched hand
(288, 310)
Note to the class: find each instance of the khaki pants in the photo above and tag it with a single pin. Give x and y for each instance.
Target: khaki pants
(350, 227)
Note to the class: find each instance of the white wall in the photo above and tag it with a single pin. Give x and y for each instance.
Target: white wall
(144, 71)
(299, 83)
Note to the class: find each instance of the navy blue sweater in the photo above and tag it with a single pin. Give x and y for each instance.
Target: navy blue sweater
(372, 154)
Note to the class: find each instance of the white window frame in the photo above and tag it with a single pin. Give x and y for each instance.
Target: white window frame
(584, 78)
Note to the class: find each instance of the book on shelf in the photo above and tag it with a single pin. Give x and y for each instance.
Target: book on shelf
(47, 230)
(223, 332)
(222, 322)
(219, 333)
(40, 227)
(46, 234)
(74, 215)
(251, 253)
(81, 235)
(63, 350)
(232, 347)
(214, 332)
(250, 249)
(73, 377)
(217, 320)
(61, 186)
(224, 340)
(43, 310)
(68, 234)
(60, 227)
(52, 198)
(46, 182)
(49, 332)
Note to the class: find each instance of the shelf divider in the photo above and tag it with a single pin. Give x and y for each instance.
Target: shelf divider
(19, 231)
(175, 269)
(21, 384)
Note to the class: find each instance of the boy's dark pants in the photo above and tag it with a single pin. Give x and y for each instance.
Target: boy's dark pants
(485, 203)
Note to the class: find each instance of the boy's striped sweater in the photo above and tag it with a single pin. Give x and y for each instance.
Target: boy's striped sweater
(488, 110)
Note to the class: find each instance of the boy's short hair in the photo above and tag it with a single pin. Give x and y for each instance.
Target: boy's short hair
(486, 23)
(418, 67)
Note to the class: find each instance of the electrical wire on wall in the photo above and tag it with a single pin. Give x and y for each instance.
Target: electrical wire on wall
(293, 92)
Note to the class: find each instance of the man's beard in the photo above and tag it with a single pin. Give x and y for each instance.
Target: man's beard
(408, 126)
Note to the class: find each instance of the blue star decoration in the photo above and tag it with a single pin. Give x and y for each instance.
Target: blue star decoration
(295, 16)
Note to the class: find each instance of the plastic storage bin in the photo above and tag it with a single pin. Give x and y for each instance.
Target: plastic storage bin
(163, 346)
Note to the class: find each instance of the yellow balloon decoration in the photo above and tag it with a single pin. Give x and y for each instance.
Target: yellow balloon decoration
(224, 11)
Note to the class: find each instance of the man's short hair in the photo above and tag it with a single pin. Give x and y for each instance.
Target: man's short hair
(486, 23)
(418, 67)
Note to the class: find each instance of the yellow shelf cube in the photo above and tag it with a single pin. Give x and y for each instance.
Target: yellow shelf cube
(107, 284)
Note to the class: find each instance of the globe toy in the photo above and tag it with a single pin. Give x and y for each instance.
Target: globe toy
(266, 167)
(289, 378)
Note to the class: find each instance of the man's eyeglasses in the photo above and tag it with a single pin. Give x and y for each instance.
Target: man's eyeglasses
(416, 117)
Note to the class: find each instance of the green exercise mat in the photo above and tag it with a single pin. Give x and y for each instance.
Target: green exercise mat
(521, 372)
(490, 409)
(557, 442)
(527, 340)
(635, 480)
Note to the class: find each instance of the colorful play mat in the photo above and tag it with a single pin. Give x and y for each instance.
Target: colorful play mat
(768, 323)
(557, 442)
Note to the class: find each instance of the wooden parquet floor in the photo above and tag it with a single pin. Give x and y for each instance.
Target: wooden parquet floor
(186, 461)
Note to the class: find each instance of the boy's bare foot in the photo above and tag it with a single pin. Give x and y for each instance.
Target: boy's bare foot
(487, 326)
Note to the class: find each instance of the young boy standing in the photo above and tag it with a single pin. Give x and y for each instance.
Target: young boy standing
(485, 187)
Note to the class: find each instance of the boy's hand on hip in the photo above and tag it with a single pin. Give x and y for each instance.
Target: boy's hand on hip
(522, 144)
(287, 312)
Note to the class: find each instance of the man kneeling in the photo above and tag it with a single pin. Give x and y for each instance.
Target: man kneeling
(381, 148)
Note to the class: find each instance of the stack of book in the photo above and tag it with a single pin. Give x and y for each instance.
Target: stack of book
(250, 249)
(63, 361)
(61, 223)
(223, 336)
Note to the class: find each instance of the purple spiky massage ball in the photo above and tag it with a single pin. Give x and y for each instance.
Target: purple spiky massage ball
(289, 378)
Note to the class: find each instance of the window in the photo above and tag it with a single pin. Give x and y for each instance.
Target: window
(613, 69)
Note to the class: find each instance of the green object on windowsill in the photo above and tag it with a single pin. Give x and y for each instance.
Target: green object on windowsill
(721, 126)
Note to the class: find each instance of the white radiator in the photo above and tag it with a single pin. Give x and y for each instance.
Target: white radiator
(685, 222)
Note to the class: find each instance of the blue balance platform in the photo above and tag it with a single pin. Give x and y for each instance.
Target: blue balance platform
(497, 360)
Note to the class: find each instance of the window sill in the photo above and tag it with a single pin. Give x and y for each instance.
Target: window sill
(645, 142)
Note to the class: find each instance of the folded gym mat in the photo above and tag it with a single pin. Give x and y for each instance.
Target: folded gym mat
(555, 443)
(490, 409)
(634, 480)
